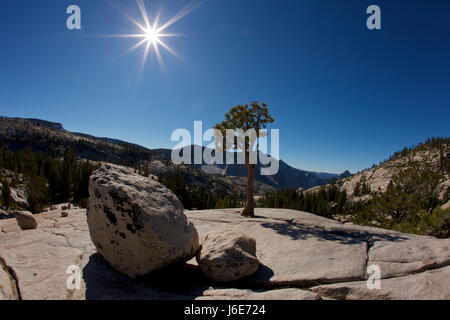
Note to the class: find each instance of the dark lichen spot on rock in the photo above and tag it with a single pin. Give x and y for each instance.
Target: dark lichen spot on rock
(111, 217)
(117, 198)
(131, 228)
(133, 213)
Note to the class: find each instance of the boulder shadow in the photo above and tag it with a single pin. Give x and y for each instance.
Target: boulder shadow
(178, 281)
(188, 279)
(259, 280)
(103, 282)
(178, 278)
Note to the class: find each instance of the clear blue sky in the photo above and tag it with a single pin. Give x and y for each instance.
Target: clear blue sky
(342, 96)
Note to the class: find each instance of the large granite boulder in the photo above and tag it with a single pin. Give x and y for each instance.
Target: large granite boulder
(136, 223)
(26, 220)
(227, 256)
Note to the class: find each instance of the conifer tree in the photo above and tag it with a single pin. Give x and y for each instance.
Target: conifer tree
(245, 117)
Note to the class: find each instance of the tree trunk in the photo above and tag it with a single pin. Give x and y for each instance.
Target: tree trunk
(249, 210)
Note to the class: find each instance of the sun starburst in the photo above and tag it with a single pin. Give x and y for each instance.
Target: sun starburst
(151, 34)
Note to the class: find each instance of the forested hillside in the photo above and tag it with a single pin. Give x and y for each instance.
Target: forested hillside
(52, 178)
(409, 192)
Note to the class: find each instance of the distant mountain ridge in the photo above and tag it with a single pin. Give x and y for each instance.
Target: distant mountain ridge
(43, 123)
(325, 175)
(287, 176)
(40, 135)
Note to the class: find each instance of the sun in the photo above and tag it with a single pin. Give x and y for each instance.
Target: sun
(152, 36)
(151, 33)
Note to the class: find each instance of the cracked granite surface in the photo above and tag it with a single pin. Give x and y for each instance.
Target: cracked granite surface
(302, 256)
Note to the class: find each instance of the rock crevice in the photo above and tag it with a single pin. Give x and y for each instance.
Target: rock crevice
(12, 289)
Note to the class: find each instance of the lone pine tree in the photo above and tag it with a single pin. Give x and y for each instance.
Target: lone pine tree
(242, 119)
